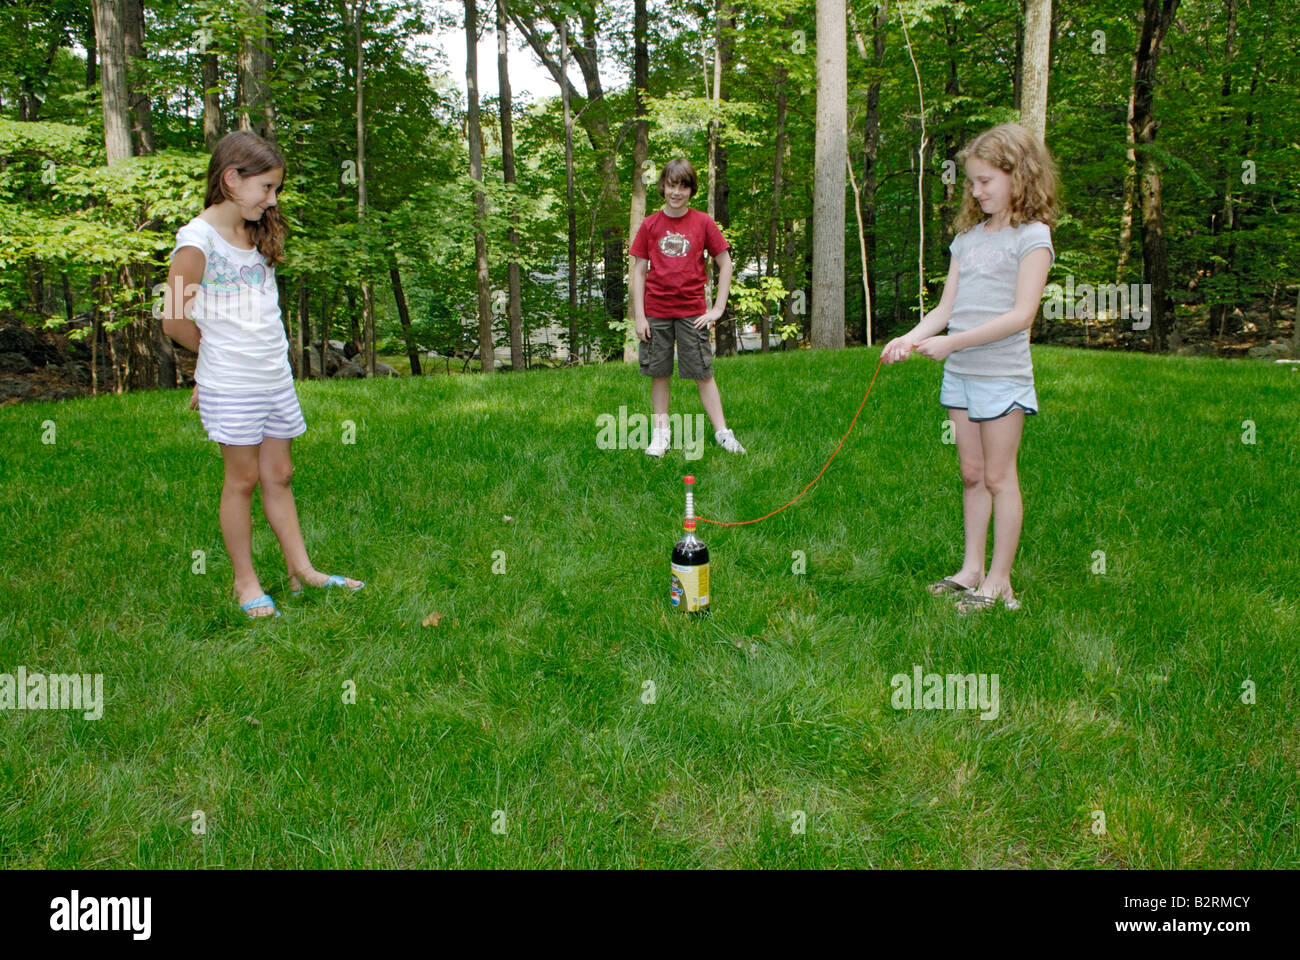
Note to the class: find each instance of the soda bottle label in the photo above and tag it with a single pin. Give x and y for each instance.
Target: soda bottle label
(690, 587)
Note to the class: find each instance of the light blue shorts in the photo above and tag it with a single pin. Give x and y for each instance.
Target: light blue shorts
(244, 420)
(986, 399)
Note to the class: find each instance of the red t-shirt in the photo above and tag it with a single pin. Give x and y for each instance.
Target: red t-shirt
(674, 286)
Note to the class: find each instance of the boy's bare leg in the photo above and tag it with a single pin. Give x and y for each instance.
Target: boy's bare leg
(1001, 443)
(659, 402)
(712, 402)
(976, 502)
(237, 522)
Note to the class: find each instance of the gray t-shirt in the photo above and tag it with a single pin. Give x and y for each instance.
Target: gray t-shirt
(987, 267)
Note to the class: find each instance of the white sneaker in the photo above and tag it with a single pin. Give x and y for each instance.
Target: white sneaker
(659, 441)
(727, 440)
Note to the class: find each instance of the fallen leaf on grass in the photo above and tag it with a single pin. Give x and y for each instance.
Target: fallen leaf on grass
(433, 619)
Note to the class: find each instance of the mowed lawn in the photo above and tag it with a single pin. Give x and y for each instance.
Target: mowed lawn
(562, 714)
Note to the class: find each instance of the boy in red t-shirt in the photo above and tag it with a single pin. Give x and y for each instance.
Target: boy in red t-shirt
(668, 301)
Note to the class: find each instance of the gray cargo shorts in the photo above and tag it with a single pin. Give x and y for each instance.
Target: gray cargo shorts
(694, 352)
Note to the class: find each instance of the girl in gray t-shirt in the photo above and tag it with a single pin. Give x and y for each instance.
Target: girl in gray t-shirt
(1000, 259)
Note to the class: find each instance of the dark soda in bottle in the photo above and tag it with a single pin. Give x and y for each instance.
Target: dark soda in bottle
(690, 564)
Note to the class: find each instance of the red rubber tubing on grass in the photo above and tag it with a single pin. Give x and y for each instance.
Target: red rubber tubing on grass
(739, 523)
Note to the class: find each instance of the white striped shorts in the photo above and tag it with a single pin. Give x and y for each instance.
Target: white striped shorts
(244, 419)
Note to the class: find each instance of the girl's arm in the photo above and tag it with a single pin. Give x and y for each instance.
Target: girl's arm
(1030, 282)
(936, 320)
(725, 269)
(182, 284)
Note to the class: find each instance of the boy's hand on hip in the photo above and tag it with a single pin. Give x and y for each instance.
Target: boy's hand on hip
(705, 319)
(642, 328)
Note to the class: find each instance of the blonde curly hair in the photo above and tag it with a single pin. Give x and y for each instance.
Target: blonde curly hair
(1034, 181)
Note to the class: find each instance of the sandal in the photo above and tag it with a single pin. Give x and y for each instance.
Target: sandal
(948, 585)
(256, 603)
(333, 580)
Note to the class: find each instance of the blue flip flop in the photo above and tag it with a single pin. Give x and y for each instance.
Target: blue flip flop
(333, 580)
(263, 601)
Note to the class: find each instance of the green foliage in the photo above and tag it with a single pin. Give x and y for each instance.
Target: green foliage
(1232, 243)
(751, 303)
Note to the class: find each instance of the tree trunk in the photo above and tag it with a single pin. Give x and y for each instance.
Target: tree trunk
(514, 304)
(641, 143)
(163, 350)
(725, 331)
(133, 50)
(1157, 17)
(32, 84)
(412, 349)
(1242, 204)
(568, 193)
(485, 346)
(1017, 76)
(862, 248)
(301, 352)
(1037, 52)
(797, 282)
(778, 178)
(870, 162)
(211, 101)
(1221, 220)
(96, 325)
(367, 287)
(257, 110)
(324, 330)
(113, 89)
(354, 321)
(142, 332)
(1130, 186)
(615, 291)
(36, 284)
(952, 89)
(595, 120)
(829, 175)
(88, 39)
(1295, 329)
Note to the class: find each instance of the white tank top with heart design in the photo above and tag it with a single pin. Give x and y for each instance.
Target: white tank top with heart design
(237, 308)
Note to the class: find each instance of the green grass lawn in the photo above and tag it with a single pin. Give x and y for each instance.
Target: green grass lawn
(1119, 692)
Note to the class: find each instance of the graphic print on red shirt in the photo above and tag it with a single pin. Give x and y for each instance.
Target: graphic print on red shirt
(675, 247)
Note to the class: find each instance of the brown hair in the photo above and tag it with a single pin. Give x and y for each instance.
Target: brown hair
(679, 170)
(249, 155)
(1034, 182)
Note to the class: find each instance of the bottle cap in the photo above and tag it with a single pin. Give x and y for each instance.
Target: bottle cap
(690, 479)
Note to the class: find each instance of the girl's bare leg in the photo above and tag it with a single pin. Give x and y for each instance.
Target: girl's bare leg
(276, 470)
(237, 521)
(976, 503)
(1001, 443)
